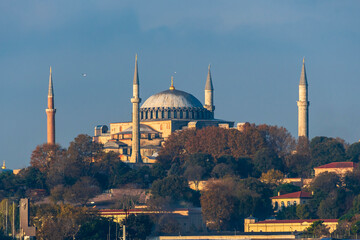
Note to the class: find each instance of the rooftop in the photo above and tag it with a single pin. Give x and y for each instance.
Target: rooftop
(298, 221)
(300, 194)
(338, 165)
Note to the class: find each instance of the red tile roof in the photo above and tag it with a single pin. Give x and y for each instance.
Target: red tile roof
(298, 221)
(299, 194)
(338, 165)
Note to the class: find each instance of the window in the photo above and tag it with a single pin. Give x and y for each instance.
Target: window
(282, 204)
(288, 203)
(295, 203)
(276, 205)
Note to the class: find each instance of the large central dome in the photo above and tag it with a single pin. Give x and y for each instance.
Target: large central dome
(172, 99)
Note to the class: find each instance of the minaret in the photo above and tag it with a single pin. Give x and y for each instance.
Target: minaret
(135, 154)
(50, 112)
(209, 94)
(303, 105)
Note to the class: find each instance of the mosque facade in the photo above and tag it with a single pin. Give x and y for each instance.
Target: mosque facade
(159, 116)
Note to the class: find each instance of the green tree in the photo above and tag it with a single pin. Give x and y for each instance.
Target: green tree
(84, 189)
(221, 170)
(66, 219)
(324, 150)
(33, 178)
(317, 229)
(353, 152)
(286, 188)
(98, 228)
(138, 227)
(298, 165)
(303, 211)
(289, 212)
(273, 177)
(174, 187)
(325, 182)
(266, 159)
(168, 224)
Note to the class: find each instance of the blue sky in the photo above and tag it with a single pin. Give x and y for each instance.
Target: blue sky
(255, 49)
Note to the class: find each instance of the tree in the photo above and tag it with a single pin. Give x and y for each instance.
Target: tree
(298, 165)
(266, 159)
(45, 154)
(194, 173)
(303, 146)
(325, 182)
(352, 181)
(226, 202)
(84, 189)
(353, 152)
(138, 227)
(205, 161)
(288, 213)
(254, 198)
(168, 224)
(303, 211)
(98, 228)
(286, 188)
(278, 139)
(273, 177)
(221, 170)
(33, 177)
(324, 150)
(66, 219)
(174, 187)
(335, 205)
(57, 193)
(218, 203)
(317, 229)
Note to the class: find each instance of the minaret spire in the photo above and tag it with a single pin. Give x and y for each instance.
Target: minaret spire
(209, 94)
(50, 112)
(303, 104)
(135, 143)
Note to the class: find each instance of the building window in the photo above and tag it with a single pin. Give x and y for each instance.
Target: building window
(276, 205)
(282, 204)
(288, 203)
(295, 203)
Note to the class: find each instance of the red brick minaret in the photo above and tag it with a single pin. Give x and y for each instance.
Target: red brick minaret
(50, 112)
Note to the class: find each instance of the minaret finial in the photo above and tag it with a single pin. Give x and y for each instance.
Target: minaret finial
(172, 84)
(209, 93)
(136, 75)
(50, 112)
(209, 85)
(51, 90)
(3, 166)
(303, 79)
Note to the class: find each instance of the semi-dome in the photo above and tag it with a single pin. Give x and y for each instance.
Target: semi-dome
(172, 99)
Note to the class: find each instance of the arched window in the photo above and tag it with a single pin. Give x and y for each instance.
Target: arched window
(295, 203)
(288, 203)
(276, 206)
(282, 204)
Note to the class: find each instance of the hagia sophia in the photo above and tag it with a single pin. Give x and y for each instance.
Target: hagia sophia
(163, 113)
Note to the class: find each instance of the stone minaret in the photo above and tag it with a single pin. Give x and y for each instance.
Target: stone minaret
(209, 94)
(50, 112)
(135, 154)
(303, 105)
